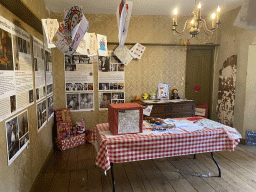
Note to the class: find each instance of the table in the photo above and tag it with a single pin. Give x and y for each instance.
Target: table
(151, 145)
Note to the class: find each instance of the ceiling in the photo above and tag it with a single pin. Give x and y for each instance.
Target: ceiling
(145, 7)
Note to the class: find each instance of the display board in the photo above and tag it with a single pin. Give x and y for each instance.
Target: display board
(41, 114)
(79, 82)
(48, 69)
(17, 135)
(111, 78)
(16, 77)
(50, 110)
(39, 68)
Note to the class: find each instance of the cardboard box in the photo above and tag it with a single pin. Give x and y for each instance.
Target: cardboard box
(125, 118)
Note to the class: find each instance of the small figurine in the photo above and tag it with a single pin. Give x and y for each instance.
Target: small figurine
(137, 98)
(145, 96)
(175, 94)
(152, 96)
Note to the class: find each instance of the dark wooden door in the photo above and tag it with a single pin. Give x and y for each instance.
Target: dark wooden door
(199, 71)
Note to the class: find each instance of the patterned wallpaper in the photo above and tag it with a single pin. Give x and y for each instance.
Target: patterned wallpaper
(158, 63)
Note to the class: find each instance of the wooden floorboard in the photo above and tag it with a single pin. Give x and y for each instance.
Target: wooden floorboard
(178, 182)
(137, 178)
(74, 170)
(155, 177)
(227, 176)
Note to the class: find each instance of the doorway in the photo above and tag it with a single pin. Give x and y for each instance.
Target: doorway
(199, 71)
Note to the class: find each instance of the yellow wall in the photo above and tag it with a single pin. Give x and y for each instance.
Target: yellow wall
(20, 175)
(234, 41)
(250, 97)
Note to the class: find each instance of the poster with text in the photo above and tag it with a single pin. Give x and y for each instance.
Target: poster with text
(17, 135)
(78, 73)
(50, 107)
(110, 73)
(41, 115)
(106, 98)
(16, 77)
(39, 68)
(80, 101)
(48, 69)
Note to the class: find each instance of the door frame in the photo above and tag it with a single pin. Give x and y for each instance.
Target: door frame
(205, 47)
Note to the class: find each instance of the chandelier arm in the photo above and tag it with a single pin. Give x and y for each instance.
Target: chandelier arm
(211, 31)
(180, 33)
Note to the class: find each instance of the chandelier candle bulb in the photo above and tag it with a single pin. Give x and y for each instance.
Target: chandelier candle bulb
(213, 21)
(175, 16)
(199, 11)
(218, 14)
(192, 23)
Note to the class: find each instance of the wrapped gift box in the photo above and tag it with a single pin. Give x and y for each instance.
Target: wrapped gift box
(125, 118)
(71, 142)
(64, 130)
(63, 115)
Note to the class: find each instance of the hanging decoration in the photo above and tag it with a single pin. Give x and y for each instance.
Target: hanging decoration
(71, 31)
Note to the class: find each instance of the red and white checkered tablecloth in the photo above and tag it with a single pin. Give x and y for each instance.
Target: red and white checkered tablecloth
(136, 147)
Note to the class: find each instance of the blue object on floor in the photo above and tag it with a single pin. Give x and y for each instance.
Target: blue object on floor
(251, 138)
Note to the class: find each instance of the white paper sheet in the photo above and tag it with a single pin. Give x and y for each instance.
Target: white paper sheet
(50, 27)
(147, 110)
(192, 128)
(122, 53)
(124, 20)
(137, 51)
(102, 45)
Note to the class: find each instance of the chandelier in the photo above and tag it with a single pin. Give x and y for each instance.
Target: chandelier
(197, 22)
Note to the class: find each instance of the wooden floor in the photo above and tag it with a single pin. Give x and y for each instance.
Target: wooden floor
(74, 170)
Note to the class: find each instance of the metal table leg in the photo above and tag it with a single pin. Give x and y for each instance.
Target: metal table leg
(216, 164)
(112, 176)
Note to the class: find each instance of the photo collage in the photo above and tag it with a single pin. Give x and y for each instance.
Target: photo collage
(78, 73)
(41, 114)
(71, 62)
(111, 80)
(106, 98)
(80, 101)
(17, 132)
(50, 107)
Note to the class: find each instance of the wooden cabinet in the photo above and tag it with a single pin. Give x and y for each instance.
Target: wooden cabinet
(173, 109)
